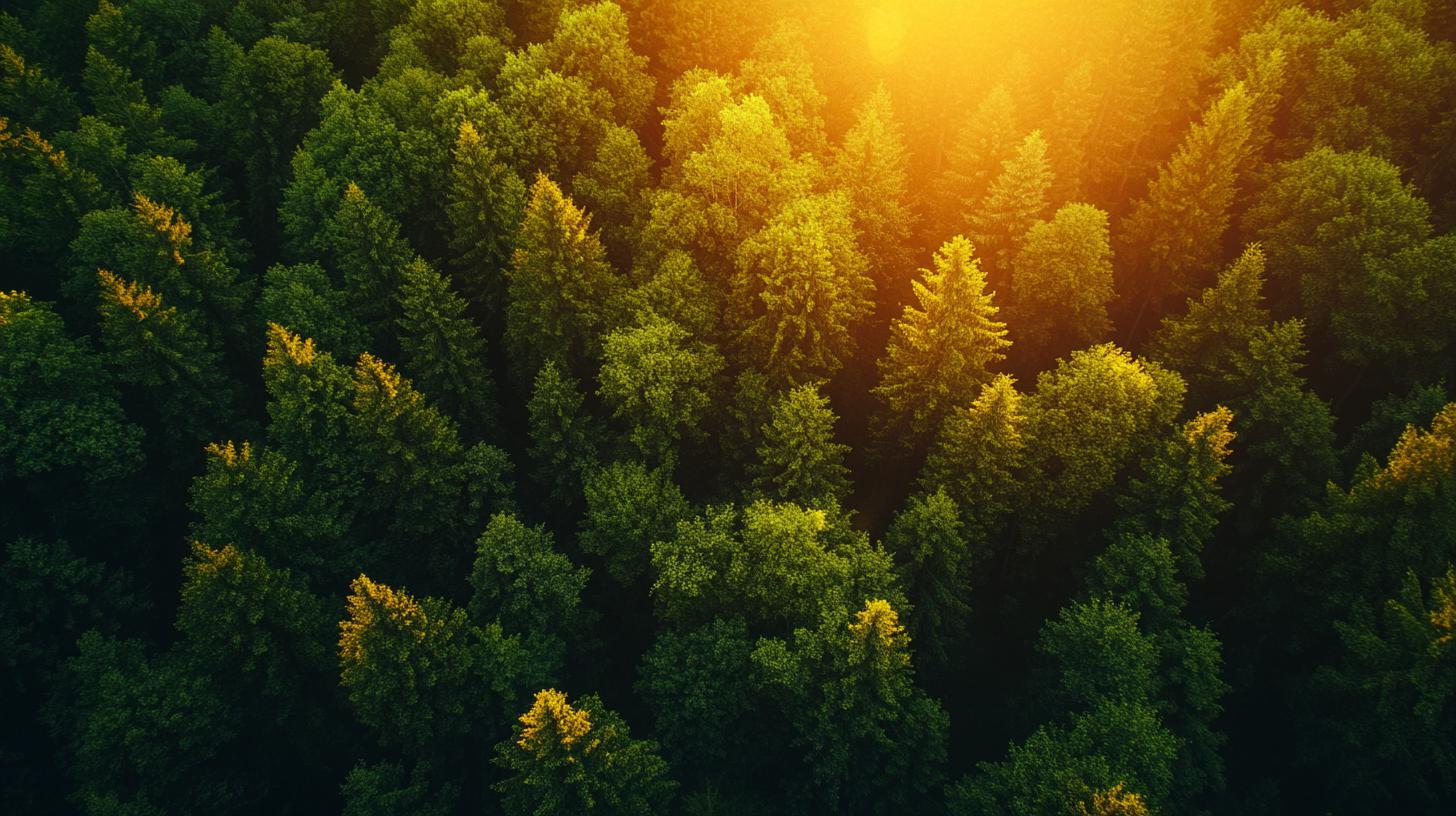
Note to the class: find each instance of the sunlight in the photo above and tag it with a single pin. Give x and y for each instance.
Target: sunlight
(885, 31)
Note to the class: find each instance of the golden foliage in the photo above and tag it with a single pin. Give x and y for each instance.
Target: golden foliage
(1116, 801)
(552, 720)
(1421, 458)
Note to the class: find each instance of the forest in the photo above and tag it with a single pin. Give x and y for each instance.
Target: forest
(726, 407)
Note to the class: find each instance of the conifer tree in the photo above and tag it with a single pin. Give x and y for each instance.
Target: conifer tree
(939, 351)
(614, 187)
(979, 460)
(1172, 240)
(367, 251)
(159, 348)
(628, 508)
(442, 349)
(799, 460)
(566, 759)
(934, 562)
(564, 444)
(302, 298)
(985, 140)
(1060, 284)
(562, 291)
(872, 167)
(416, 671)
(659, 382)
(802, 286)
(1013, 203)
(485, 201)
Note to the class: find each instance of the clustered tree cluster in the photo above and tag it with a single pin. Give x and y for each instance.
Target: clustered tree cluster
(703, 407)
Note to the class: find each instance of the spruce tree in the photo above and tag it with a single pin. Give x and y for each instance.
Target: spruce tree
(1014, 201)
(442, 350)
(1060, 284)
(872, 167)
(941, 350)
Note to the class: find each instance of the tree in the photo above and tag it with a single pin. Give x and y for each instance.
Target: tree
(778, 69)
(1172, 239)
(302, 298)
(1388, 695)
(562, 291)
(942, 349)
(58, 404)
(802, 286)
(872, 167)
(659, 382)
(1013, 203)
(160, 349)
(568, 759)
(485, 202)
(985, 140)
(415, 670)
(366, 248)
(847, 691)
(799, 460)
(530, 589)
(1178, 496)
(628, 508)
(563, 438)
(614, 186)
(1060, 284)
(979, 460)
(1323, 216)
(1088, 416)
(442, 350)
(934, 563)
(270, 99)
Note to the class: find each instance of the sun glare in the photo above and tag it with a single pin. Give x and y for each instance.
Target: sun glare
(885, 31)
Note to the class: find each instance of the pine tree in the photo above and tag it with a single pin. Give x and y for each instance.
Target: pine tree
(563, 439)
(565, 760)
(981, 144)
(659, 383)
(1014, 201)
(1172, 239)
(562, 291)
(940, 352)
(799, 460)
(367, 250)
(416, 671)
(1060, 284)
(979, 460)
(933, 560)
(159, 348)
(485, 202)
(872, 167)
(802, 287)
(442, 349)
(628, 508)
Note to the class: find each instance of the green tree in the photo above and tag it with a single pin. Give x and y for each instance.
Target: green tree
(985, 140)
(1013, 203)
(485, 202)
(934, 563)
(979, 460)
(614, 186)
(628, 508)
(1060, 284)
(367, 250)
(799, 460)
(566, 759)
(58, 404)
(1323, 217)
(942, 349)
(442, 350)
(270, 99)
(522, 582)
(659, 383)
(1172, 239)
(801, 285)
(562, 291)
(872, 166)
(302, 298)
(564, 443)
(847, 691)
(415, 670)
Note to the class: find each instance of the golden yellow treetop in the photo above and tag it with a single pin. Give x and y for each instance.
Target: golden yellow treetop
(1116, 801)
(552, 720)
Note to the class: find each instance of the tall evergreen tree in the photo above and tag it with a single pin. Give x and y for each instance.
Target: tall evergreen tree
(1060, 284)
(1013, 203)
(799, 460)
(442, 350)
(872, 167)
(940, 351)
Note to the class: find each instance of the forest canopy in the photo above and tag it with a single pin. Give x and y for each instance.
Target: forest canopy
(552, 407)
